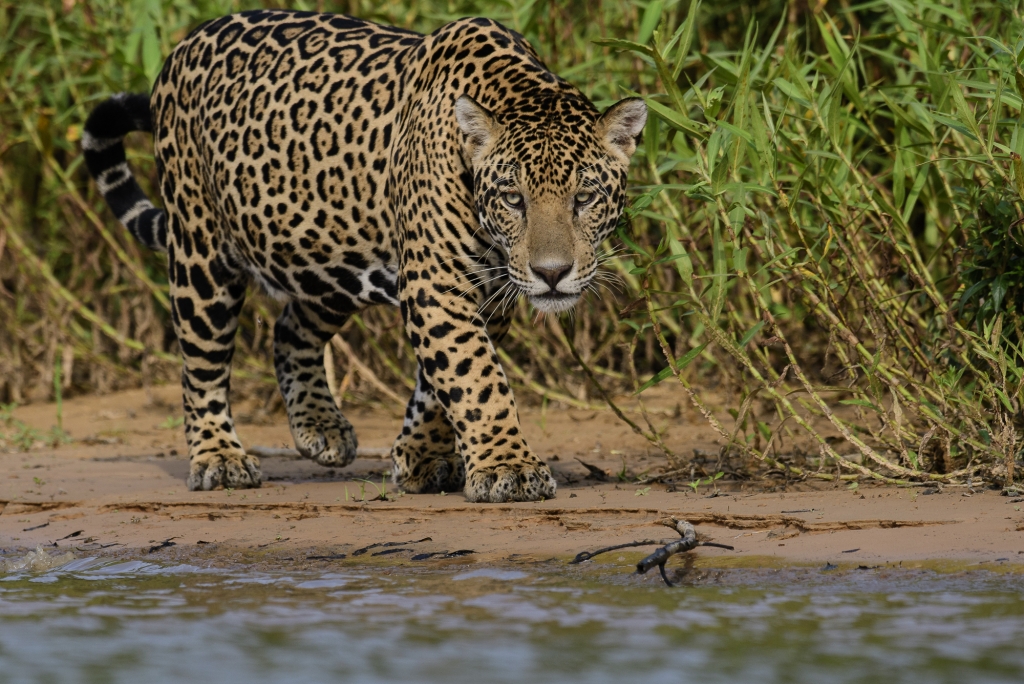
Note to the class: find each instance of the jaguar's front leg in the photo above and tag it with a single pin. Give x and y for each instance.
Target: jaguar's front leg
(425, 456)
(458, 361)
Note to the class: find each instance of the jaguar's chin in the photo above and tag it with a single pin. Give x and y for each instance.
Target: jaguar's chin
(554, 302)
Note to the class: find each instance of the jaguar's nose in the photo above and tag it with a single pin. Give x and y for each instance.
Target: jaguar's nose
(552, 274)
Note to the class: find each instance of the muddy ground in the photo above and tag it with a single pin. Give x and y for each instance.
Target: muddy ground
(119, 488)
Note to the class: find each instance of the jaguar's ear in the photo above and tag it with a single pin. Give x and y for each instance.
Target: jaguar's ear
(621, 124)
(476, 123)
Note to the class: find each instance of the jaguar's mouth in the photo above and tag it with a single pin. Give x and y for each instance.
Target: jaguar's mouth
(553, 301)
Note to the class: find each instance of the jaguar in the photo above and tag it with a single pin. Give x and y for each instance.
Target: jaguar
(338, 164)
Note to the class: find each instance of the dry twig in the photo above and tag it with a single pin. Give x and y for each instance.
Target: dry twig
(687, 542)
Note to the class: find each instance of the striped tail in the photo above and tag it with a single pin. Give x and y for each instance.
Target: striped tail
(102, 142)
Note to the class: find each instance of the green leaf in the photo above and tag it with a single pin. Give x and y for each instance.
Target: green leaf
(750, 334)
(791, 91)
(861, 402)
(130, 50)
(833, 117)
(735, 130)
(726, 70)
(686, 32)
(652, 15)
(739, 259)
(899, 180)
(954, 124)
(652, 139)
(1017, 164)
(969, 293)
(902, 114)
(963, 111)
(676, 119)
(999, 288)
(625, 45)
(621, 232)
(681, 363)
(721, 273)
(941, 28)
(1005, 400)
(151, 55)
(715, 143)
(823, 153)
(642, 202)
(719, 175)
(922, 177)
(684, 266)
(697, 192)
(714, 103)
(761, 137)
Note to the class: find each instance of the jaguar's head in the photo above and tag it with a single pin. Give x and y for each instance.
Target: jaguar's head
(550, 185)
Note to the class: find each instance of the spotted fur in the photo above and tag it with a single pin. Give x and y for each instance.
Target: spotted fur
(339, 164)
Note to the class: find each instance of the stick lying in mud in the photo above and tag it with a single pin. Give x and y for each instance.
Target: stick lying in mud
(587, 555)
(360, 552)
(443, 554)
(163, 545)
(688, 542)
(660, 557)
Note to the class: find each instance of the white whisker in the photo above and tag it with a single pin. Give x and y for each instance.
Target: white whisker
(490, 280)
(495, 309)
(512, 296)
(493, 295)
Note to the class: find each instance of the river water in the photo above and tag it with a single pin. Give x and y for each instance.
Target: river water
(97, 620)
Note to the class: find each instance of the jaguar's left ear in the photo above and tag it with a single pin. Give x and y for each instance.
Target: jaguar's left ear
(621, 124)
(476, 123)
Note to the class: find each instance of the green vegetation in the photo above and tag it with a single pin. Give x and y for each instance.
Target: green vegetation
(171, 423)
(834, 211)
(826, 225)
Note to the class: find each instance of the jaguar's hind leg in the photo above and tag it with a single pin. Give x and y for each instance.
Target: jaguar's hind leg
(424, 456)
(206, 296)
(319, 429)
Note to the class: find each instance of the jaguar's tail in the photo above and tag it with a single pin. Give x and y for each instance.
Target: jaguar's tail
(103, 144)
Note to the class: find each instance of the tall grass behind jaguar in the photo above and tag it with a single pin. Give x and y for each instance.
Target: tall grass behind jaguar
(824, 227)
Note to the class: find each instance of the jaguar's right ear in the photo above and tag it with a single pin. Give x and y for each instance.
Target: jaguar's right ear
(621, 124)
(477, 124)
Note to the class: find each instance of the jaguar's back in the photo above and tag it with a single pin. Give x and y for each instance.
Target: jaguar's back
(285, 121)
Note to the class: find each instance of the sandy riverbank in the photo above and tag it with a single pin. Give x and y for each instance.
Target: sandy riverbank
(120, 488)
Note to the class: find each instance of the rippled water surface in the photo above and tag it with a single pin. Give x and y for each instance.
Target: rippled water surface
(98, 621)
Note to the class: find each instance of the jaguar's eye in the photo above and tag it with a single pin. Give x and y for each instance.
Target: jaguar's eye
(513, 199)
(584, 198)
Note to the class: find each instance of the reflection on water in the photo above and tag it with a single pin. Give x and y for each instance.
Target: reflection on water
(102, 621)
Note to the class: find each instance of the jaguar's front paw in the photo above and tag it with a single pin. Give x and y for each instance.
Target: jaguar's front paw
(224, 468)
(428, 473)
(330, 443)
(523, 480)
